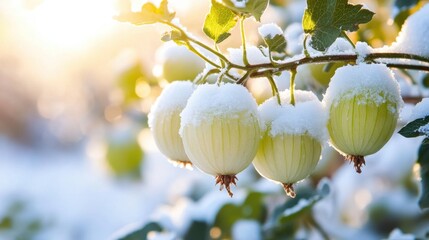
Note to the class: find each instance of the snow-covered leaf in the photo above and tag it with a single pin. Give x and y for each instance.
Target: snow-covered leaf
(326, 19)
(412, 129)
(274, 38)
(219, 22)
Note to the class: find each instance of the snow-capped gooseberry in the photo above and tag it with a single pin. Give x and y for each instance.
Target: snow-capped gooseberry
(292, 140)
(220, 131)
(364, 103)
(164, 121)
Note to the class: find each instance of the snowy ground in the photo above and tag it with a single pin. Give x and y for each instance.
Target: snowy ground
(70, 199)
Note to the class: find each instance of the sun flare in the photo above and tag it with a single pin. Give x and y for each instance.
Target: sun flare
(72, 24)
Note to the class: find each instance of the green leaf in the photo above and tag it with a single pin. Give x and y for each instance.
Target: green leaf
(324, 20)
(289, 217)
(411, 130)
(252, 208)
(141, 234)
(248, 8)
(425, 81)
(149, 14)
(198, 230)
(276, 42)
(424, 173)
(219, 22)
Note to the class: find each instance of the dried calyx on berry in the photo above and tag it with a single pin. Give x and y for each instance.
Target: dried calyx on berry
(363, 102)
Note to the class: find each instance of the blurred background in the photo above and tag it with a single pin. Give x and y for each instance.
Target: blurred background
(77, 160)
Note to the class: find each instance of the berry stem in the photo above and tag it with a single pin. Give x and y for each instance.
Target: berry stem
(344, 35)
(243, 41)
(203, 78)
(190, 47)
(292, 86)
(260, 70)
(274, 88)
(304, 44)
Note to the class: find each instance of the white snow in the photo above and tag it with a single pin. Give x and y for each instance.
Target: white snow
(254, 55)
(210, 101)
(282, 81)
(414, 34)
(306, 117)
(294, 35)
(362, 50)
(421, 110)
(173, 98)
(239, 3)
(340, 46)
(424, 129)
(270, 30)
(397, 234)
(375, 81)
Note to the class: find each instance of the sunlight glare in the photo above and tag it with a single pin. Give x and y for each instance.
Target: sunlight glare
(72, 24)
